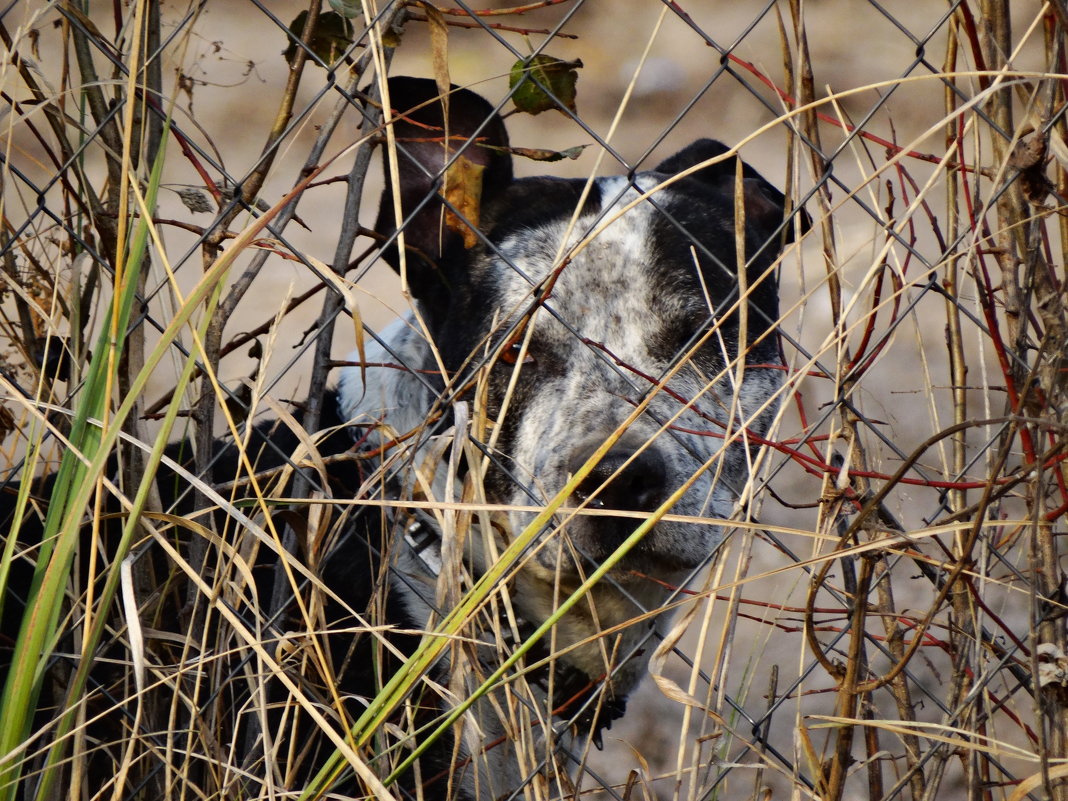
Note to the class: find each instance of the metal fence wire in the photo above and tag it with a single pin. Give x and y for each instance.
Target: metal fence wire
(187, 250)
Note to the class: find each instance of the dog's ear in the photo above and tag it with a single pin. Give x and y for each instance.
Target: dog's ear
(481, 168)
(765, 206)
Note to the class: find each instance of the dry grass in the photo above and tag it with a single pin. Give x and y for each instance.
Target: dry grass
(887, 618)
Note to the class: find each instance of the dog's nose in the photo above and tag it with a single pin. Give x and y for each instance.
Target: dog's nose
(623, 479)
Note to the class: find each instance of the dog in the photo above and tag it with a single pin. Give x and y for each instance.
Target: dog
(590, 348)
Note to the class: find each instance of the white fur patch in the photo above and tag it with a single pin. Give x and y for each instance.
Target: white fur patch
(386, 393)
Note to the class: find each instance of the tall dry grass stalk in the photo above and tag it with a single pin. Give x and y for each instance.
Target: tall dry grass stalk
(887, 617)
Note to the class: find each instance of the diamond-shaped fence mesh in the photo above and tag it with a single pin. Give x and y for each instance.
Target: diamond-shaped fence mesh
(189, 248)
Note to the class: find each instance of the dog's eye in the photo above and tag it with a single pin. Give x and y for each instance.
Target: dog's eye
(510, 354)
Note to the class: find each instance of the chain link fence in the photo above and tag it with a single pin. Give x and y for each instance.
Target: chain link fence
(885, 618)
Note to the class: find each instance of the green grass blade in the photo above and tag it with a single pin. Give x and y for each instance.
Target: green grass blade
(63, 522)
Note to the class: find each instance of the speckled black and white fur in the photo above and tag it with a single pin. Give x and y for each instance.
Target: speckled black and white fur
(578, 332)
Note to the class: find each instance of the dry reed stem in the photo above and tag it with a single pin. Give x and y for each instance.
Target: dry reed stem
(932, 520)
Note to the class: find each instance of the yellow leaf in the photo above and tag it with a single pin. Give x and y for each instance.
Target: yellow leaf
(463, 189)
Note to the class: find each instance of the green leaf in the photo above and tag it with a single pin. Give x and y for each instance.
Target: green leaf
(557, 76)
(330, 38)
(347, 8)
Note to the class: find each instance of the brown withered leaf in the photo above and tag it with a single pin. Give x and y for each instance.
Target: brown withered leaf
(195, 200)
(540, 154)
(1029, 156)
(463, 189)
(1029, 152)
(439, 53)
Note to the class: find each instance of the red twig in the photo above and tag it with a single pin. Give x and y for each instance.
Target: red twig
(501, 12)
(497, 26)
(792, 103)
(813, 466)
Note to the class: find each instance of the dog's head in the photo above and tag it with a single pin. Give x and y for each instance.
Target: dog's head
(613, 307)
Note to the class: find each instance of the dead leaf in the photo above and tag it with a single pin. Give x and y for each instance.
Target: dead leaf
(195, 200)
(540, 154)
(1029, 157)
(463, 189)
(1029, 152)
(439, 53)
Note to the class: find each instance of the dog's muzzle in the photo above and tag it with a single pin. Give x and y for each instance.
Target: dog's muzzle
(626, 478)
